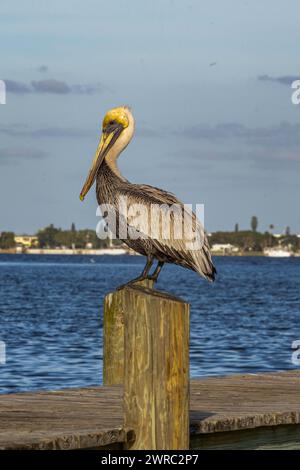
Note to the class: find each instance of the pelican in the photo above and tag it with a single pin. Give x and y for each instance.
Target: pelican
(117, 131)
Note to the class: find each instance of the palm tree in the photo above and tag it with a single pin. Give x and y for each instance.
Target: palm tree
(254, 223)
(271, 227)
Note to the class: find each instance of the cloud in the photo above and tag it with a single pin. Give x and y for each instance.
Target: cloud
(283, 80)
(16, 155)
(88, 89)
(279, 159)
(272, 148)
(42, 68)
(16, 87)
(19, 130)
(239, 159)
(284, 134)
(61, 132)
(52, 86)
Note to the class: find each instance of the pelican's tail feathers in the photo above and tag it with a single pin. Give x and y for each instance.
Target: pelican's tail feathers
(203, 264)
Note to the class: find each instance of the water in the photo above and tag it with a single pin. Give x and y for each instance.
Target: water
(51, 316)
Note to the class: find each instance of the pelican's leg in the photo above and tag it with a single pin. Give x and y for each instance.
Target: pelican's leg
(154, 276)
(143, 275)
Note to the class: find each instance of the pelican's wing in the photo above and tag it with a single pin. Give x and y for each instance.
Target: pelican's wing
(185, 242)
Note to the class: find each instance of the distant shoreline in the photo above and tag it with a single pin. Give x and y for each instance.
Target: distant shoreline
(68, 251)
(106, 251)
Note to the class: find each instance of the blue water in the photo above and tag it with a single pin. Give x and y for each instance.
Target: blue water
(51, 316)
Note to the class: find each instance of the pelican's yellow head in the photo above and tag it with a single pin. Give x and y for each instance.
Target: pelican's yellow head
(114, 123)
(116, 115)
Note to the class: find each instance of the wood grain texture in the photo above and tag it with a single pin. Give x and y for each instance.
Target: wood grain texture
(113, 336)
(238, 402)
(113, 339)
(93, 417)
(156, 386)
(62, 420)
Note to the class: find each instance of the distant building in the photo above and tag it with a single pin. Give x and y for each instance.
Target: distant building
(26, 241)
(224, 248)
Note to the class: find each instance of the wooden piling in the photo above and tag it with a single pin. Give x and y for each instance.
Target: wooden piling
(113, 339)
(113, 336)
(156, 379)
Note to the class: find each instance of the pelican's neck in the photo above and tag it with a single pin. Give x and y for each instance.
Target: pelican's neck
(120, 144)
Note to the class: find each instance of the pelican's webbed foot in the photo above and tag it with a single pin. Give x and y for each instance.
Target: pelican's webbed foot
(133, 281)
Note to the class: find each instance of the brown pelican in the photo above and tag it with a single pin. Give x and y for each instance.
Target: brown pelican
(111, 186)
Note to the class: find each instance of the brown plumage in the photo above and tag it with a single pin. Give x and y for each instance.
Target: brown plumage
(112, 189)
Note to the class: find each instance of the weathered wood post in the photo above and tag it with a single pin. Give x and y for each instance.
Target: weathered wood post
(113, 336)
(155, 361)
(113, 339)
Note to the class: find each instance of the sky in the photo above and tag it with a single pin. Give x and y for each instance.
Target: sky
(209, 84)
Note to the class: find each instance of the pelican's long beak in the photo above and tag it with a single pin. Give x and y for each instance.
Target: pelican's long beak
(106, 142)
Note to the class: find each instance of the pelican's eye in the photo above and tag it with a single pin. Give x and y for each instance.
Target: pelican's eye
(111, 126)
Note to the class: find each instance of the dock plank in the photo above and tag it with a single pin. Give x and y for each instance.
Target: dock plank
(93, 417)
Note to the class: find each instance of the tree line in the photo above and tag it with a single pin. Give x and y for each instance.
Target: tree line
(252, 240)
(246, 240)
(53, 237)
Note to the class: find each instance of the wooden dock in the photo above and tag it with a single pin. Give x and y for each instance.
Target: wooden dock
(243, 411)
